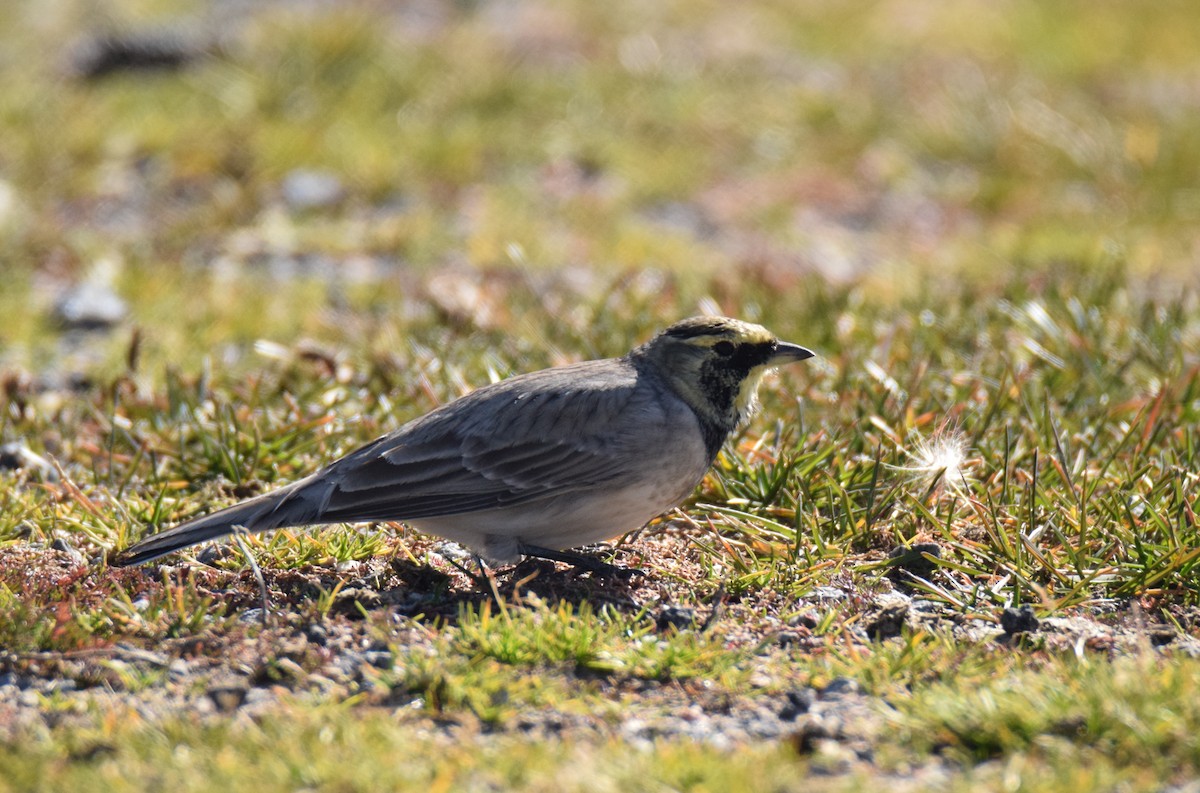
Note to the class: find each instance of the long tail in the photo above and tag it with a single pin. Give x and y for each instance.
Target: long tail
(297, 504)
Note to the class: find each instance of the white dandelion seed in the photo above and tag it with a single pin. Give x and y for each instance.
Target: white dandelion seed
(941, 459)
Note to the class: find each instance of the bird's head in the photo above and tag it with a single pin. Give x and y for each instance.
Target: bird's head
(716, 364)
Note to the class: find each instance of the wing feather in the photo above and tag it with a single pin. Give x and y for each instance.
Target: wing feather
(514, 442)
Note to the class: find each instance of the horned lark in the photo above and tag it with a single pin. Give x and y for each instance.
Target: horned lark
(540, 462)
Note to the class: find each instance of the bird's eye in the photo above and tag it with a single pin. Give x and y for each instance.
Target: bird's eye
(724, 348)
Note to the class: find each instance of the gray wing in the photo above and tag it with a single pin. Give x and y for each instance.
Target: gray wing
(526, 438)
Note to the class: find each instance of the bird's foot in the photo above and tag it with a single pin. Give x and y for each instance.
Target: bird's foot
(583, 562)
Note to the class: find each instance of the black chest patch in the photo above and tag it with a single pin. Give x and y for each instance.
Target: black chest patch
(721, 379)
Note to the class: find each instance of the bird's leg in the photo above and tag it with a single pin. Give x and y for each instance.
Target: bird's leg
(476, 578)
(484, 580)
(589, 563)
(485, 574)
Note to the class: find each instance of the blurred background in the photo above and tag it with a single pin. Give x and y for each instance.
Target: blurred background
(239, 237)
(182, 180)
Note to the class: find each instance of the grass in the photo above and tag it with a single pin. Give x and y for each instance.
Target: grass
(981, 216)
(1088, 723)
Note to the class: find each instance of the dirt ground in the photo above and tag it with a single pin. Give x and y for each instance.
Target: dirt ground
(232, 665)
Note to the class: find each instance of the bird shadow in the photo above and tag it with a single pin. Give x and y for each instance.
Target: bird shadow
(421, 590)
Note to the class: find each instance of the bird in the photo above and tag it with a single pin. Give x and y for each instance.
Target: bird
(539, 463)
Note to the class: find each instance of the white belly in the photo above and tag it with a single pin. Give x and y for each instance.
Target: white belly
(574, 518)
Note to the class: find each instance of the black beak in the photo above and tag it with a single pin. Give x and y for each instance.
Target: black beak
(789, 353)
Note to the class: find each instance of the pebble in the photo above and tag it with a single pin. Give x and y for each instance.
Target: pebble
(227, 698)
(912, 559)
(681, 618)
(285, 669)
(840, 687)
(213, 554)
(317, 634)
(1020, 620)
(311, 189)
(681, 218)
(108, 53)
(91, 306)
(62, 546)
(888, 621)
(15, 456)
(9, 203)
(797, 702)
(352, 600)
(380, 659)
(760, 680)
(1161, 635)
(787, 638)
(806, 619)
(258, 696)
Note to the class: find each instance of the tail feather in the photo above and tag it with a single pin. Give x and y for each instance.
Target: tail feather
(289, 506)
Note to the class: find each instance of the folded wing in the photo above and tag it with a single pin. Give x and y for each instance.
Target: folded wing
(508, 453)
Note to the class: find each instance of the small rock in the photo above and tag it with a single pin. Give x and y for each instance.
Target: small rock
(91, 752)
(839, 687)
(681, 218)
(317, 634)
(892, 599)
(108, 53)
(928, 606)
(59, 544)
(453, 552)
(321, 683)
(787, 638)
(805, 620)
(277, 671)
(760, 680)
(9, 202)
(16, 456)
(92, 305)
(831, 756)
(888, 622)
(335, 672)
(285, 669)
(62, 546)
(214, 553)
(380, 659)
(798, 702)
(311, 189)
(227, 698)
(351, 601)
(259, 696)
(680, 618)
(1161, 635)
(59, 686)
(912, 558)
(1021, 620)
(464, 298)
